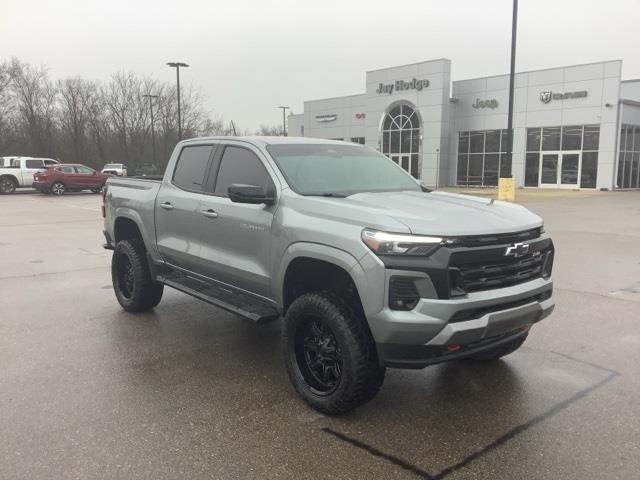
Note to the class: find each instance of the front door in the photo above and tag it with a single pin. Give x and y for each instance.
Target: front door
(560, 169)
(237, 244)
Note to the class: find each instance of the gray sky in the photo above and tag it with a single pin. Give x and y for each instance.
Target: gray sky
(249, 56)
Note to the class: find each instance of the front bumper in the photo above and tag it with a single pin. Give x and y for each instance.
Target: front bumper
(40, 185)
(438, 330)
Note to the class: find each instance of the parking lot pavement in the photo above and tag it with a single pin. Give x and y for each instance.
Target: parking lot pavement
(190, 391)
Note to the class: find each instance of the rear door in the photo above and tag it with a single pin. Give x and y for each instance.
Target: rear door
(30, 167)
(67, 175)
(237, 237)
(179, 222)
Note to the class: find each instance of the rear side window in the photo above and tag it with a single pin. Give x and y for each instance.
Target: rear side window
(192, 167)
(34, 163)
(66, 169)
(239, 165)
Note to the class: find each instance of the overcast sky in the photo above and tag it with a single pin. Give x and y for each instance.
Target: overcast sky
(249, 56)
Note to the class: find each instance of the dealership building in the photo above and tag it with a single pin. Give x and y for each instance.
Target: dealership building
(574, 127)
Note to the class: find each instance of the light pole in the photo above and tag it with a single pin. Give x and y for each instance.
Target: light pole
(153, 131)
(512, 75)
(177, 66)
(437, 166)
(284, 120)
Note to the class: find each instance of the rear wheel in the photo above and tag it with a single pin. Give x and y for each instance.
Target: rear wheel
(500, 351)
(135, 290)
(7, 185)
(96, 190)
(330, 355)
(58, 188)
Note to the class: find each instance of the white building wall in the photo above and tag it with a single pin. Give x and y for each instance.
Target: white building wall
(348, 122)
(295, 125)
(631, 90)
(600, 106)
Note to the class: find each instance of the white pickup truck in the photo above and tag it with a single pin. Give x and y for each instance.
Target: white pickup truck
(18, 171)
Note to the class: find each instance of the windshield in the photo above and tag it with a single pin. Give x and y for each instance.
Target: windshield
(339, 170)
(113, 165)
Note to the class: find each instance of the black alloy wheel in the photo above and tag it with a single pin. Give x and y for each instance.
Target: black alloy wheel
(319, 356)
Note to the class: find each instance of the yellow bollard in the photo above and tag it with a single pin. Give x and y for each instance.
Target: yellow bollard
(507, 189)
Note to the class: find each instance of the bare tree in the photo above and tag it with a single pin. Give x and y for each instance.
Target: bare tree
(272, 131)
(36, 102)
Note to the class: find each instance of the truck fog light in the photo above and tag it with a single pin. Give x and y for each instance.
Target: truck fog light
(403, 294)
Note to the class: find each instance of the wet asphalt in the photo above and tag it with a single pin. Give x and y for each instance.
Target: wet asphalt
(190, 391)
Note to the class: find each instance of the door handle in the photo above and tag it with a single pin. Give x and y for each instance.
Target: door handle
(209, 213)
(166, 206)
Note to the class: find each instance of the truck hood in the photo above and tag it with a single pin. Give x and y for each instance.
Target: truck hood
(440, 213)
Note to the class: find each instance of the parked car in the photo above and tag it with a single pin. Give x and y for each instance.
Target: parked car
(119, 169)
(369, 268)
(63, 178)
(18, 171)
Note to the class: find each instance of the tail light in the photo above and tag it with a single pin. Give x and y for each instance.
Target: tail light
(104, 201)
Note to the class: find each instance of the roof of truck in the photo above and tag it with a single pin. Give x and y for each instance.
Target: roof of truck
(264, 140)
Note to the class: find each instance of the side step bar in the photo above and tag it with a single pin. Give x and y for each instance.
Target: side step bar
(236, 302)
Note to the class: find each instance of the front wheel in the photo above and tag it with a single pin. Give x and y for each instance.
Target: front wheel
(58, 188)
(135, 290)
(330, 354)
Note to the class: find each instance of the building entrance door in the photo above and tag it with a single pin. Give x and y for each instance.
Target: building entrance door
(561, 170)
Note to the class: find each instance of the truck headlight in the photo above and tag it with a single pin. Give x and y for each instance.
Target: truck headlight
(384, 243)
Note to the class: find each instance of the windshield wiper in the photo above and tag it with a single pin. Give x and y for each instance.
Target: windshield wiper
(327, 194)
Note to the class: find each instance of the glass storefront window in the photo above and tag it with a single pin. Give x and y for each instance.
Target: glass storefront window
(401, 137)
(533, 139)
(591, 139)
(476, 142)
(551, 138)
(531, 169)
(572, 138)
(492, 141)
(629, 157)
(589, 170)
(485, 162)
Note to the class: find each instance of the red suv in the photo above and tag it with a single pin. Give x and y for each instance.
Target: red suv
(63, 178)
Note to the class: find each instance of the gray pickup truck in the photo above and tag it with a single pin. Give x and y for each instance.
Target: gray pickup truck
(368, 268)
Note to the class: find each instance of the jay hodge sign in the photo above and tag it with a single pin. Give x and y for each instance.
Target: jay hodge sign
(401, 85)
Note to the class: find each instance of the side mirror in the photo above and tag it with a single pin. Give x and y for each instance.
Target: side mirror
(253, 194)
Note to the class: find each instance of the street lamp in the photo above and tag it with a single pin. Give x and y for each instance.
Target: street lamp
(512, 75)
(284, 120)
(153, 131)
(177, 66)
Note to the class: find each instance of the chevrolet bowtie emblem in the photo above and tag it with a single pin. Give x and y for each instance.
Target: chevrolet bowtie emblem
(517, 250)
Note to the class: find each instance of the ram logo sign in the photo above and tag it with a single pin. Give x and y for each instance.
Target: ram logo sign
(546, 97)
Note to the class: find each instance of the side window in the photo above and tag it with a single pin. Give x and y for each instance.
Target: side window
(50, 162)
(84, 170)
(192, 167)
(239, 165)
(33, 163)
(66, 170)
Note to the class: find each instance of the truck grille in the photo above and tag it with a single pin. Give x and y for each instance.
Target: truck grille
(484, 269)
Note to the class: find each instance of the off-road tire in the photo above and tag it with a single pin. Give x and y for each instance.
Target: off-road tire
(361, 375)
(7, 185)
(57, 188)
(135, 290)
(500, 351)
